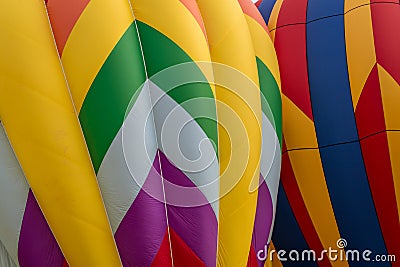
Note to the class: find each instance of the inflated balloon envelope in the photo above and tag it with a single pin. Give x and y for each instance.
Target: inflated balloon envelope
(340, 71)
(163, 209)
(118, 94)
(40, 121)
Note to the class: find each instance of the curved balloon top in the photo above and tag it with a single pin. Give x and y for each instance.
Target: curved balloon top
(269, 79)
(339, 67)
(176, 105)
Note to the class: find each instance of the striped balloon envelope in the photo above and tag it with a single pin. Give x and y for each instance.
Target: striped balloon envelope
(147, 106)
(340, 71)
(173, 38)
(40, 133)
(239, 129)
(26, 239)
(269, 79)
(107, 83)
(178, 102)
(132, 116)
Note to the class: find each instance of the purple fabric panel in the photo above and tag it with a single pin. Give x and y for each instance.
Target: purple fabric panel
(263, 219)
(196, 225)
(37, 246)
(143, 228)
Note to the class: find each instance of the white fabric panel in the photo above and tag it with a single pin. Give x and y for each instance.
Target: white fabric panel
(13, 196)
(128, 160)
(270, 162)
(186, 145)
(5, 259)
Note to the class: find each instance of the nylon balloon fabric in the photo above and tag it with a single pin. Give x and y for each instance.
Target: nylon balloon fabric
(41, 125)
(269, 79)
(163, 115)
(339, 67)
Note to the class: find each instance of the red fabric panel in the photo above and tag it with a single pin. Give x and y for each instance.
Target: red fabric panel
(67, 13)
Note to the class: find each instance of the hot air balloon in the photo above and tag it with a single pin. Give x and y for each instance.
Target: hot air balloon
(41, 125)
(340, 68)
(108, 88)
(25, 235)
(168, 34)
(173, 38)
(181, 118)
(268, 75)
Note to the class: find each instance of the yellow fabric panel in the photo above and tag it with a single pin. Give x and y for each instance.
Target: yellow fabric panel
(298, 129)
(239, 117)
(168, 16)
(264, 47)
(275, 262)
(39, 118)
(272, 33)
(390, 91)
(273, 18)
(351, 4)
(360, 49)
(91, 41)
(310, 177)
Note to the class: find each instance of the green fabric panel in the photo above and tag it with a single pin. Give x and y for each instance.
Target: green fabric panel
(161, 53)
(105, 106)
(270, 98)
